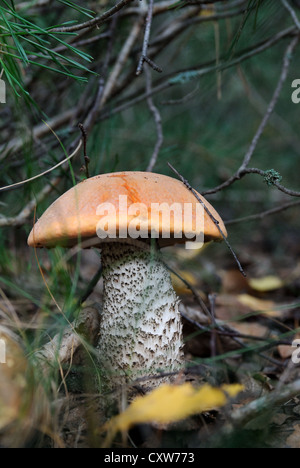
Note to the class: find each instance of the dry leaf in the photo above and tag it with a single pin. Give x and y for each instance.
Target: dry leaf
(280, 418)
(23, 403)
(293, 441)
(233, 282)
(228, 307)
(268, 283)
(189, 254)
(208, 11)
(285, 351)
(171, 403)
(250, 328)
(12, 379)
(296, 410)
(198, 343)
(259, 305)
(179, 285)
(234, 307)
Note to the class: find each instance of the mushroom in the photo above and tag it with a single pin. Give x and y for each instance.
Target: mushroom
(122, 213)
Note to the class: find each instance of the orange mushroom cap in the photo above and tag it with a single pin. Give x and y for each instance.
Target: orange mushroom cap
(74, 216)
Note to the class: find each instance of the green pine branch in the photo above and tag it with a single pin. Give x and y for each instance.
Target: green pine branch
(24, 44)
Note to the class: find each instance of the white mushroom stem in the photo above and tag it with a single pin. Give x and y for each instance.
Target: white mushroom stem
(141, 329)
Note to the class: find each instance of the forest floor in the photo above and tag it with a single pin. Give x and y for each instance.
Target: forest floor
(246, 338)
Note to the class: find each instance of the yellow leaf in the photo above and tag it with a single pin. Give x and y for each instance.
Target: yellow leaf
(268, 283)
(209, 11)
(259, 305)
(232, 390)
(12, 380)
(251, 328)
(170, 403)
(179, 285)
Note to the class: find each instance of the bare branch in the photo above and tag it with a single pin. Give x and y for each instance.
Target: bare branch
(18, 184)
(79, 334)
(121, 60)
(157, 119)
(40, 131)
(264, 214)
(215, 221)
(24, 214)
(95, 21)
(252, 410)
(96, 107)
(287, 191)
(144, 56)
(271, 177)
(201, 70)
(86, 158)
(196, 294)
(283, 76)
(292, 12)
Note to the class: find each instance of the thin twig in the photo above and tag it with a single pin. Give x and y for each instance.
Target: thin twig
(292, 12)
(215, 221)
(213, 340)
(24, 214)
(187, 20)
(225, 330)
(78, 334)
(40, 131)
(120, 62)
(168, 5)
(264, 214)
(202, 70)
(220, 327)
(264, 174)
(197, 296)
(90, 287)
(246, 413)
(94, 111)
(96, 107)
(183, 100)
(292, 193)
(144, 57)
(83, 42)
(157, 118)
(18, 184)
(86, 158)
(283, 76)
(95, 21)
